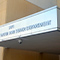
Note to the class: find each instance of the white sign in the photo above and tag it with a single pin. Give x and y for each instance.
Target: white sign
(40, 22)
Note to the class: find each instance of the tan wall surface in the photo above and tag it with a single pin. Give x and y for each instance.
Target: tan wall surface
(14, 54)
(58, 3)
(19, 8)
(1, 53)
(3, 6)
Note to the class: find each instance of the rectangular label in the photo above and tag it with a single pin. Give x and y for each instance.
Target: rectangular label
(39, 23)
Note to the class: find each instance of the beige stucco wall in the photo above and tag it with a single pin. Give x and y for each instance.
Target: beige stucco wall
(3, 6)
(1, 53)
(20, 8)
(14, 54)
(58, 3)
